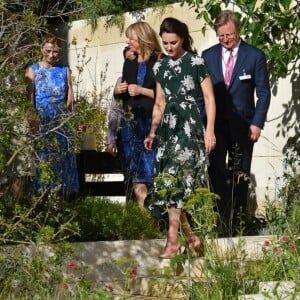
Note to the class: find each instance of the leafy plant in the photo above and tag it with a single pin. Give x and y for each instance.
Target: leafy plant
(102, 219)
(202, 205)
(40, 271)
(114, 10)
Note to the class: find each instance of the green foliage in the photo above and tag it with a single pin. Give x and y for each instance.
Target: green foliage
(93, 117)
(101, 219)
(37, 219)
(40, 271)
(228, 274)
(283, 214)
(167, 185)
(114, 10)
(89, 110)
(281, 259)
(202, 205)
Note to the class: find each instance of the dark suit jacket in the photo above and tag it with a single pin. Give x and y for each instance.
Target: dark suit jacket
(238, 103)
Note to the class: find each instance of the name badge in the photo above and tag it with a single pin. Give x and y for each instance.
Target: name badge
(245, 76)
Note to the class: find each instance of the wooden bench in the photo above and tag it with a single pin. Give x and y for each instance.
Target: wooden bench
(93, 162)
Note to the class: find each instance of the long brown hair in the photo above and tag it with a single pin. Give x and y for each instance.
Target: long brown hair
(172, 25)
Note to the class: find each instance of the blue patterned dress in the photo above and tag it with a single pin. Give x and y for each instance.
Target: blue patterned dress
(134, 130)
(55, 146)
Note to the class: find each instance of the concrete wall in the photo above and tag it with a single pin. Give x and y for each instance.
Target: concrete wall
(104, 51)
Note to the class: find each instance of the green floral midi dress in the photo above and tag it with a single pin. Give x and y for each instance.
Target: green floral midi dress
(181, 161)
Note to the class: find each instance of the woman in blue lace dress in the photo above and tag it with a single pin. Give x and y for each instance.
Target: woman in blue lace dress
(50, 90)
(136, 91)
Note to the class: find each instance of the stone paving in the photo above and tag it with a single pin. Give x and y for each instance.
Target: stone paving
(110, 260)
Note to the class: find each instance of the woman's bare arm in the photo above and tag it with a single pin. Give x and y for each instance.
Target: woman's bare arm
(157, 114)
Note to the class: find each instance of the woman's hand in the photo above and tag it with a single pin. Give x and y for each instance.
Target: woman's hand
(210, 141)
(148, 142)
(112, 149)
(135, 90)
(121, 88)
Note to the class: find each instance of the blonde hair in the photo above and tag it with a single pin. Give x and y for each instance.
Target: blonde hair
(147, 37)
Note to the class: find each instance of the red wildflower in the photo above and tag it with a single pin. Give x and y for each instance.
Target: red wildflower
(133, 273)
(64, 285)
(72, 264)
(285, 239)
(266, 245)
(292, 247)
(108, 288)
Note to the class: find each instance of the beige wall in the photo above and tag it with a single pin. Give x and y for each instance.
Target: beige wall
(105, 47)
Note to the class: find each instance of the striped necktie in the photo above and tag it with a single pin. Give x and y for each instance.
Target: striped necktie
(228, 69)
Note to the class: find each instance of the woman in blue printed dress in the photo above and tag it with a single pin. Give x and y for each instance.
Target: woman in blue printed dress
(50, 90)
(136, 91)
(183, 145)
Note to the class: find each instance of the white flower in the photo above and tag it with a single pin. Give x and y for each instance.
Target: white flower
(202, 158)
(188, 191)
(197, 60)
(167, 91)
(175, 65)
(177, 147)
(187, 128)
(166, 119)
(156, 67)
(188, 82)
(184, 155)
(189, 181)
(160, 152)
(167, 74)
(177, 69)
(175, 139)
(167, 182)
(183, 105)
(172, 171)
(172, 63)
(190, 98)
(173, 121)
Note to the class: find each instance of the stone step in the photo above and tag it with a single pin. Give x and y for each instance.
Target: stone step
(280, 290)
(253, 297)
(274, 290)
(135, 267)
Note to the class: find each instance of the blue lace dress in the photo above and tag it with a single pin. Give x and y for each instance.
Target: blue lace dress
(56, 165)
(134, 130)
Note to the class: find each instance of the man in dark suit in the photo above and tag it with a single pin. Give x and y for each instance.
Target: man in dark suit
(238, 71)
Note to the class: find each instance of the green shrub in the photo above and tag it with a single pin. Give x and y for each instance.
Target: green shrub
(100, 219)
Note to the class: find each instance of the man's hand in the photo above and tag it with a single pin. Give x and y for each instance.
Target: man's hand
(254, 133)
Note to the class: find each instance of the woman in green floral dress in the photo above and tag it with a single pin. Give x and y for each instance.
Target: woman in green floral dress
(183, 145)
